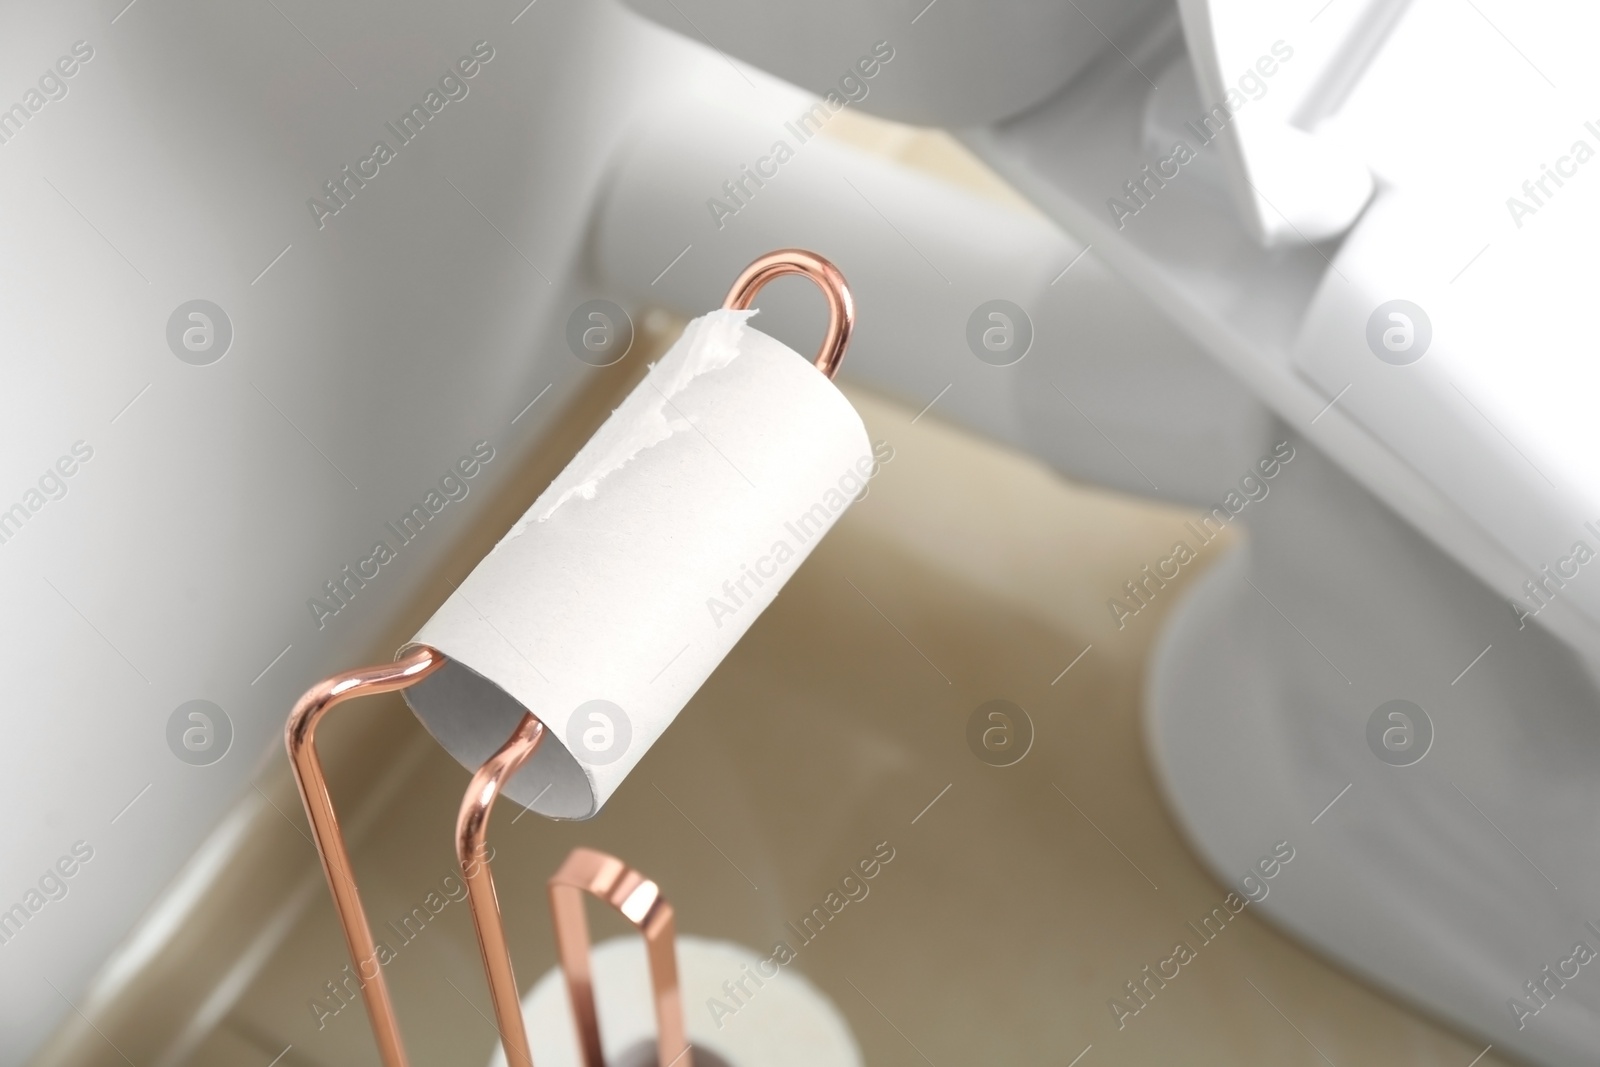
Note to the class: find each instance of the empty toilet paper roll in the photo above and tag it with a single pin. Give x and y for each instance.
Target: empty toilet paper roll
(616, 595)
(780, 1020)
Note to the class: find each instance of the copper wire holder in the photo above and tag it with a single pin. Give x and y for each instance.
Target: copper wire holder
(585, 870)
(641, 903)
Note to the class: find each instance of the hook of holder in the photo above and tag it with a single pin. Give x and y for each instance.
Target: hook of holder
(841, 305)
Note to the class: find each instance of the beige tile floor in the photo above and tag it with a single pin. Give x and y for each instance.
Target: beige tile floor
(1007, 919)
(1016, 906)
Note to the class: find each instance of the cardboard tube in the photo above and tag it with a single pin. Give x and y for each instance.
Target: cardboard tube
(616, 595)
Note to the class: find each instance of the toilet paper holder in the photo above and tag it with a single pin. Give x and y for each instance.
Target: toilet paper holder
(585, 870)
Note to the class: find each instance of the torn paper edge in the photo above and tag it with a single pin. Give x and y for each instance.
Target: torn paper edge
(708, 343)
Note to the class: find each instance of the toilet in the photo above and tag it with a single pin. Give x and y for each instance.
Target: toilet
(1395, 669)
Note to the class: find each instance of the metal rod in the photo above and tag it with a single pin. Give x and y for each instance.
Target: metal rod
(300, 739)
(472, 831)
(641, 903)
(841, 305)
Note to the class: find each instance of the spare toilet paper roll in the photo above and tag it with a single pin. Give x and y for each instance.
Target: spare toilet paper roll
(608, 604)
(735, 1017)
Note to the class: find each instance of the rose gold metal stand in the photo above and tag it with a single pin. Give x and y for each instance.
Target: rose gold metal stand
(641, 903)
(841, 305)
(472, 850)
(300, 738)
(585, 870)
(472, 830)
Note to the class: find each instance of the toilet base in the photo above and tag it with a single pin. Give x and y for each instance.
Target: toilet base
(1436, 876)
